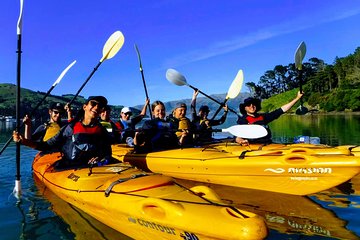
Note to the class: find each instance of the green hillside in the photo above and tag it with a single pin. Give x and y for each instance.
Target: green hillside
(29, 99)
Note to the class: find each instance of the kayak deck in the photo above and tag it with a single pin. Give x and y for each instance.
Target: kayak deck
(147, 206)
(298, 169)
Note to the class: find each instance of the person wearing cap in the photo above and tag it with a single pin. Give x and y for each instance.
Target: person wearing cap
(201, 122)
(83, 141)
(48, 129)
(110, 126)
(249, 110)
(181, 124)
(156, 134)
(126, 123)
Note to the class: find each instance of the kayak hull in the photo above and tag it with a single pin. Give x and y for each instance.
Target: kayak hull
(291, 169)
(146, 206)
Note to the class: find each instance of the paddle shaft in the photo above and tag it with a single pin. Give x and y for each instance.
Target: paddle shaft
(83, 85)
(221, 104)
(300, 85)
(18, 71)
(218, 110)
(143, 79)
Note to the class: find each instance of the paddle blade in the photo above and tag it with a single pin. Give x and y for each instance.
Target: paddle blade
(139, 58)
(247, 131)
(63, 73)
(299, 55)
(301, 110)
(19, 23)
(236, 85)
(175, 77)
(113, 45)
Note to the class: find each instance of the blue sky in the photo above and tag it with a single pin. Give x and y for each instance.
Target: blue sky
(207, 41)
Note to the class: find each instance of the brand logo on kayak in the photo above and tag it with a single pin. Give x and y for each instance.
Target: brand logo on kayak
(73, 177)
(310, 170)
(301, 170)
(278, 170)
(153, 225)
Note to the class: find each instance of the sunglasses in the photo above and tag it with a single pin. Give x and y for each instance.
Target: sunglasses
(128, 113)
(94, 103)
(55, 112)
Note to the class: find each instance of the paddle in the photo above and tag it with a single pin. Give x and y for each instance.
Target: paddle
(178, 79)
(248, 131)
(111, 47)
(143, 78)
(41, 101)
(17, 188)
(299, 56)
(233, 91)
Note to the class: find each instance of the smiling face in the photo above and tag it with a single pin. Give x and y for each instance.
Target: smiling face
(92, 110)
(179, 112)
(250, 109)
(55, 115)
(159, 111)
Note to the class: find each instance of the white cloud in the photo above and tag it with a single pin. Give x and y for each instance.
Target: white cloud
(239, 42)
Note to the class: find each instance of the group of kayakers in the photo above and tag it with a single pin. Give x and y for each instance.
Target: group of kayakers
(87, 137)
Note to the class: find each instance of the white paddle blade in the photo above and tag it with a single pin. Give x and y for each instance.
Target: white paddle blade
(299, 55)
(63, 73)
(19, 23)
(113, 45)
(236, 85)
(250, 131)
(175, 77)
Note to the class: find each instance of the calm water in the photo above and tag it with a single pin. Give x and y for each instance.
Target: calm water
(333, 214)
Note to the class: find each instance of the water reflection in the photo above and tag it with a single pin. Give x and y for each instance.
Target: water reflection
(333, 130)
(79, 223)
(287, 214)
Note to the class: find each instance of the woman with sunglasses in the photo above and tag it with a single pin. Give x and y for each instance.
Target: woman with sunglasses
(83, 141)
(249, 110)
(48, 129)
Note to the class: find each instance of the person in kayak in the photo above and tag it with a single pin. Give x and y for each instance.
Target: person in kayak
(48, 129)
(113, 130)
(201, 123)
(157, 133)
(83, 141)
(181, 124)
(250, 115)
(126, 124)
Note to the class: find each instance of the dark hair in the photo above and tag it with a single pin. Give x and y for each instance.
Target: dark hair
(204, 108)
(154, 104)
(58, 106)
(247, 102)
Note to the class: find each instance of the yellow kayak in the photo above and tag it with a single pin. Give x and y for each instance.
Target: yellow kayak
(290, 214)
(292, 169)
(147, 206)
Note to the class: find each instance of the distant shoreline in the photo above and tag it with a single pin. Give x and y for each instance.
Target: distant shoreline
(331, 113)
